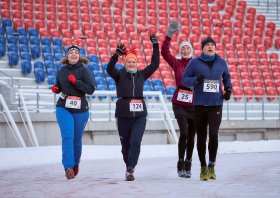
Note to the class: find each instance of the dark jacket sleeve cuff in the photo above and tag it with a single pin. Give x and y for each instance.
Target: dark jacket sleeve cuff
(155, 45)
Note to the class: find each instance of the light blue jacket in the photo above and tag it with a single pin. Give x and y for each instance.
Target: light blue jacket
(198, 66)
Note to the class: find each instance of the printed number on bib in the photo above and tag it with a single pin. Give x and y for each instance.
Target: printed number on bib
(136, 105)
(211, 86)
(73, 102)
(185, 96)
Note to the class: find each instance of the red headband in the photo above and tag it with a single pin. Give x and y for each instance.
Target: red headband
(128, 51)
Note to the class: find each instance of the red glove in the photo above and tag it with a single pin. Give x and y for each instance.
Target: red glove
(55, 88)
(72, 78)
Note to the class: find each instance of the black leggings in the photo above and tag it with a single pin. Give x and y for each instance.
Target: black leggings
(204, 115)
(187, 133)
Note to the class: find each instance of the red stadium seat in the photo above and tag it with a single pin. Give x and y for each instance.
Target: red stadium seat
(226, 39)
(40, 24)
(261, 48)
(55, 33)
(231, 54)
(245, 76)
(248, 91)
(236, 40)
(101, 35)
(254, 61)
(52, 16)
(74, 17)
(273, 55)
(91, 43)
(195, 15)
(207, 31)
(129, 20)
(73, 3)
(84, 3)
(252, 54)
(271, 91)
(102, 43)
(113, 43)
(184, 7)
(63, 9)
(243, 68)
(259, 91)
(105, 4)
(220, 47)
(145, 37)
(257, 83)
(239, 17)
(249, 24)
(235, 83)
(243, 62)
(51, 25)
(263, 55)
(147, 45)
(237, 24)
(74, 26)
(95, 10)
(107, 27)
(228, 32)
(254, 68)
(238, 92)
(206, 23)
(256, 75)
(232, 68)
(267, 75)
(246, 83)
(136, 44)
(40, 16)
(153, 30)
(229, 10)
(234, 76)
(278, 33)
(66, 33)
(119, 20)
(197, 53)
(17, 23)
(251, 47)
(271, 25)
(260, 25)
(238, 32)
(152, 21)
(45, 33)
(269, 32)
(221, 4)
(204, 15)
(196, 30)
(276, 75)
(163, 29)
(196, 22)
(217, 31)
(129, 28)
(119, 4)
(277, 42)
(277, 83)
(265, 69)
(86, 18)
(241, 55)
(16, 14)
(194, 38)
(264, 61)
(153, 6)
(28, 24)
(216, 38)
(248, 32)
(226, 16)
(15, 6)
(240, 10)
(250, 17)
(134, 36)
(247, 40)
(241, 47)
(268, 42)
(257, 40)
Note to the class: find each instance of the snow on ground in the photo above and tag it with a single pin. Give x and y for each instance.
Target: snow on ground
(244, 169)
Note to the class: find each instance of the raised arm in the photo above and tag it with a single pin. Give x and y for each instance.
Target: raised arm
(111, 70)
(165, 52)
(151, 68)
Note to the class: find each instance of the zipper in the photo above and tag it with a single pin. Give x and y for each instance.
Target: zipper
(133, 92)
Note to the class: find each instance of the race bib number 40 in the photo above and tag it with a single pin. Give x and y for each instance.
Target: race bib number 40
(136, 105)
(185, 96)
(73, 102)
(211, 86)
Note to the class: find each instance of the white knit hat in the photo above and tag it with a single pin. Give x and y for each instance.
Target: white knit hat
(190, 46)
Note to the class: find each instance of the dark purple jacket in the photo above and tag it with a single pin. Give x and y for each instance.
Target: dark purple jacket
(178, 65)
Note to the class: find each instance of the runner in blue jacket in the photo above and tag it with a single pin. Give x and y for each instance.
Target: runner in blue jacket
(205, 73)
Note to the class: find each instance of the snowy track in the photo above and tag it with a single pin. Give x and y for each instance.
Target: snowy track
(238, 175)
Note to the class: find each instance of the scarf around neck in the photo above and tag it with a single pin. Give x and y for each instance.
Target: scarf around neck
(208, 58)
(134, 72)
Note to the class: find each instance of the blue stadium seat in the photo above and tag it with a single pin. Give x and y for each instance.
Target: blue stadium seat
(2, 40)
(159, 88)
(102, 87)
(83, 56)
(119, 66)
(147, 82)
(6, 22)
(59, 65)
(57, 41)
(93, 58)
(38, 64)
(46, 49)
(33, 32)
(99, 81)
(34, 41)
(51, 80)
(2, 31)
(49, 64)
(12, 40)
(57, 49)
(26, 66)
(2, 50)
(40, 75)
(110, 81)
(82, 50)
(46, 41)
(170, 91)
(23, 40)
(97, 74)
(35, 51)
(113, 88)
(58, 57)
(48, 57)
(22, 31)
(148, 88)
(65, 49)
(13, 58)
(23, 48)
(9, 30)
(93, 66)
(104, 66)
(105, 74)
(156, 82)
(25, 56)
(51, 72)
(12, 48)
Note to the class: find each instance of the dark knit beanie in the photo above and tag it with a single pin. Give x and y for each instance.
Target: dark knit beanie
(73, 47)
(207, 40)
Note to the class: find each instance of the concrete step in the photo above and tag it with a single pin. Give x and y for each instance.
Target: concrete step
(23, 81)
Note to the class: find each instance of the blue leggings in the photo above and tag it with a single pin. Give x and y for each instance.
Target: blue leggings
(72, 127)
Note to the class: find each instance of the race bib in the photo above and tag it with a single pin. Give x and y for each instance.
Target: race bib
(185, 96)
(211, 86)
(73, 102)
(136, 105)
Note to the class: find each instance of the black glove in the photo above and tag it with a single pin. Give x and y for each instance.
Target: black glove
(227, 94)
(199, 79)
(154, 40)
(119, 51)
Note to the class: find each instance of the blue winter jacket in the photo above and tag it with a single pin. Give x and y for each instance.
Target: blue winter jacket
(198, 66)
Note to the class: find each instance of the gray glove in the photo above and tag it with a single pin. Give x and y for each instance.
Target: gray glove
(172, 29)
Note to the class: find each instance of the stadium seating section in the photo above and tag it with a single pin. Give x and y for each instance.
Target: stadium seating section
(33, 29)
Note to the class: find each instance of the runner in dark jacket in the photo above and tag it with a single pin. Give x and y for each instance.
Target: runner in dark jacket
(182, 101)
(73, 82)
(131, 110)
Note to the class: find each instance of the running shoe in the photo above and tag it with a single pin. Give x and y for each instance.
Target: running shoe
(181, 169)
(69, 173)
(203, 173)
(76, 170)
(188, 166)
(129, 174)
(211, 172)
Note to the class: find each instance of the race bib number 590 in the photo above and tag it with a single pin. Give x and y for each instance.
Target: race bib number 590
(211, 86)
